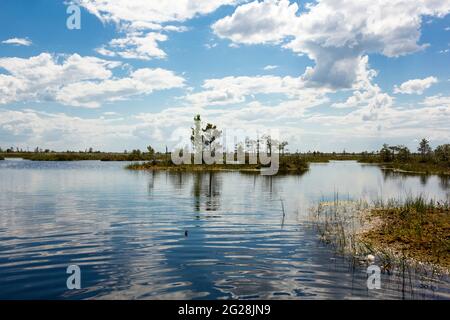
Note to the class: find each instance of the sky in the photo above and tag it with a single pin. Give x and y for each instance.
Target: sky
(326, 75)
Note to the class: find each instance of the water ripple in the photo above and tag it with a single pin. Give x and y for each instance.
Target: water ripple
(183, 235)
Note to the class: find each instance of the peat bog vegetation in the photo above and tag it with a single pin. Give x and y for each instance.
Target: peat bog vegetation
(415, 231)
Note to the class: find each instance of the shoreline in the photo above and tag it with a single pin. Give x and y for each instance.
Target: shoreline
(297, 162)
(245, 168)
(415, 233)
(205, 168)
(410, 167)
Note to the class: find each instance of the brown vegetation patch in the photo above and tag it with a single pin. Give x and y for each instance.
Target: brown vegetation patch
(415, 230)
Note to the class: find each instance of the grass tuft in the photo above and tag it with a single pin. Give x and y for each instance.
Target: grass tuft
(415, 229)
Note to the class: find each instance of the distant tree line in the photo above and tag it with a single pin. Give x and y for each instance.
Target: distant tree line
(401, 153)
(209, 137)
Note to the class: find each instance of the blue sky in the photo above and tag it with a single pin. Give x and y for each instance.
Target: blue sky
(326, 75)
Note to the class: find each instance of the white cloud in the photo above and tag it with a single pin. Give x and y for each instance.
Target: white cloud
(76, 81)
(234, 90)
(270, 67)
(30, 128)
(136, 45)
(336, 34)
(415, 86)
(437, 101)
(157, 12)
(210, 46)
(258, 22)
(91, 94)
(136, 18)
(135, 26)
(18, 42)
(372, 98)
(368, 98)
(391, 123)
(304, 127)
(38, 78)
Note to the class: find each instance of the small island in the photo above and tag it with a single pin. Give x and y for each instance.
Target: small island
(415, 231)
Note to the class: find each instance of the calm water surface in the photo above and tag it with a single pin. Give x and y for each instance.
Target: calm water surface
(126, 230)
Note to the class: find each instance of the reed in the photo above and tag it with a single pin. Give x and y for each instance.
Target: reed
(414, 229)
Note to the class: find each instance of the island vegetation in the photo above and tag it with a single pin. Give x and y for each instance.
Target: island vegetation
(288, 164)
(425, 160)
(416, 228)
(207, 138)
(413, 231)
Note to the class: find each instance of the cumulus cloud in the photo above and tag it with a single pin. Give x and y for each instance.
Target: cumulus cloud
(336, 34)
(31, 128)
(76, 81)
(91, 94)
(258, 22)
(136, 18)
(368, 98)
(136, 45)
(373, 99)
(170, 126)
(156, 12)
(416, 86)
(437, 101)
(18, 42)
(234, 90)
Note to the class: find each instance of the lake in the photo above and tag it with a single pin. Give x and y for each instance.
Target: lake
(169, 235)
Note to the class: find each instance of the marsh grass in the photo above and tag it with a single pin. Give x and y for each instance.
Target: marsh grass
(408, 238)
(413, 232)
(337, 223)
(416, 228)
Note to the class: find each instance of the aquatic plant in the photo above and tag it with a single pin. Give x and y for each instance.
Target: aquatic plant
(414, 229)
